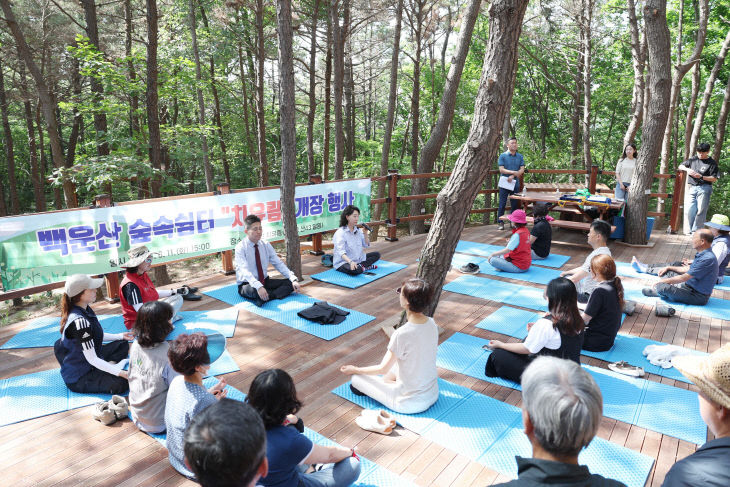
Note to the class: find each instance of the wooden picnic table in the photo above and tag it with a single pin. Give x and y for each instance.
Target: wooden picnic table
(563, 187)
(553, 201)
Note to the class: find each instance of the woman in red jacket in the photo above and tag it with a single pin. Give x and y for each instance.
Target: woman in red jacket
(517, 253)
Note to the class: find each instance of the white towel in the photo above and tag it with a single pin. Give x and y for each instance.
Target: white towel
(662, 355)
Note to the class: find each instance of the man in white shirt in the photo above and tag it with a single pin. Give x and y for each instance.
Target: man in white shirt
(581, 276)
(253, 256)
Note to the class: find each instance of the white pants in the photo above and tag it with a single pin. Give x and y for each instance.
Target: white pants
(389, 394)
(176, 301)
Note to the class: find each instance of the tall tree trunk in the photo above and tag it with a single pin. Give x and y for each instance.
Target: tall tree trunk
(390, 117)
(208, 169)
(327, 99)
(57, 196)
(217, 105)
(35, 169)
(78, 116)
(8, 143)
(433, 145)
(153, 112)
(416, 18)
(48, 102)
(690, 118)
(681, 69)
(493, 100)
(722, 122)
(260, 102)
(100, 124)
(338, 55)
(587, 55)
(702, 110)
(659, 84)
(244, 93)
(312, 87)
(287, 115)
(638, 59)
(349, 98)
(133, 98)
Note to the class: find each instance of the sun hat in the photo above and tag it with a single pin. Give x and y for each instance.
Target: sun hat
(711, 374)
(721, 222)
(78, 283)
(518, 216)
(137, 255)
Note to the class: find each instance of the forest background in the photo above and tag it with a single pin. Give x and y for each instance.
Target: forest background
(167, 97)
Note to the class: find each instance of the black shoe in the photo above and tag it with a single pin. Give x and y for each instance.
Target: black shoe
(356, 391)
(192, 297)
(470, 268)
(664, 311)
(191, 289)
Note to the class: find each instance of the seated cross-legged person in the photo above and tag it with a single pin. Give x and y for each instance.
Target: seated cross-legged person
(708, 466)
(517, 253)
(559, 334)
(408, 383)
(541, 236)
(598, 236)
(720, 228)
(602, 314)
(689, 284)
(252, 259)
(349, 241)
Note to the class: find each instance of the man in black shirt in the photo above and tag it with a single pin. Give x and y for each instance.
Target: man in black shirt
(702, 171)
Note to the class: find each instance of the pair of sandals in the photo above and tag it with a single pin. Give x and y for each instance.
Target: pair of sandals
(109, 412)
(376, 420)
(190, 294)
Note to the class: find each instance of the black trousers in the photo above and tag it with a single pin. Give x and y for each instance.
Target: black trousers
(370, 259)
(276, 288)
(507, 365)
(97, 381)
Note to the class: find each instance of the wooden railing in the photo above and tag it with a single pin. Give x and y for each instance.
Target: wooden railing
(391, 221)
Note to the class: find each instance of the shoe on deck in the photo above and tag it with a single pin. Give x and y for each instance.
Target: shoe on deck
(192, 297)
(101, 412)
(625, 368)
(118, 405)
(501, 225)
(470, 268)
(664, 311)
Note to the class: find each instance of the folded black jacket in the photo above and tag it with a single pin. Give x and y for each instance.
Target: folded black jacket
(321, 312)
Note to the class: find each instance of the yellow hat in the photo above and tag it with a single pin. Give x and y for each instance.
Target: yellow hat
(710, 374)
(721, 222)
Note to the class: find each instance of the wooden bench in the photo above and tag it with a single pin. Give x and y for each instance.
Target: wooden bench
(571, 225)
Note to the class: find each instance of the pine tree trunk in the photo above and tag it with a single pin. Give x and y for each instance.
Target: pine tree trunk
(722, 123)
(244, 93)
(390, 118)
(312, 87)
(260, 102)
(690, 118)
(659, 84)
(100, 123)
(432, 147)
(35, 169)
(493, 101)
(338, 56)
(287, 114)
(587, 54)
(9, 151)
(327, 100)
(153, 115)
(416, 18)
(638, 58)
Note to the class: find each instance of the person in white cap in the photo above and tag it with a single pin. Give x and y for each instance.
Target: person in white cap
(137, 288)
(709, 466)
(87, 366)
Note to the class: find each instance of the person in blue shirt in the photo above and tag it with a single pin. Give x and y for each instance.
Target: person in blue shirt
(691, 284)
(288, 451)
(511, 167)
(349, 244)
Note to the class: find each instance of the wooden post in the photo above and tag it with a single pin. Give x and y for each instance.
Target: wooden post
(316, 237)
(226, 255)
(111, 280)
(593, 179)
(677, 202)
(392, 201)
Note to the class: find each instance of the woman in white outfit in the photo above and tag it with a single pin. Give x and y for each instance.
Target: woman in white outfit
(406, 379)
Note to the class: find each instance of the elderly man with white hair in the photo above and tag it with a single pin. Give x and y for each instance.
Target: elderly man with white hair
(561, 410)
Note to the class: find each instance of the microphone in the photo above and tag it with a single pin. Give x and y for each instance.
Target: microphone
(367, 227)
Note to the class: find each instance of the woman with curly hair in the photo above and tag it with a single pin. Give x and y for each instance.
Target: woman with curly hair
(150, 372)
(289, 452)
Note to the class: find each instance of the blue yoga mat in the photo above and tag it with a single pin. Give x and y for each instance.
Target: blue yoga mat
(626, 270)
(285, 312)
(476, 248)
(625, 398)
(538, 275)
(487, 430)
(338, 278)
(42, 393)
(513, 322)
(715, 308)
(43, 332)
(499, 291)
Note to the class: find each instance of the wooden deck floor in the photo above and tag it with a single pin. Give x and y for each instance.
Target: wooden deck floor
(71, 449)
